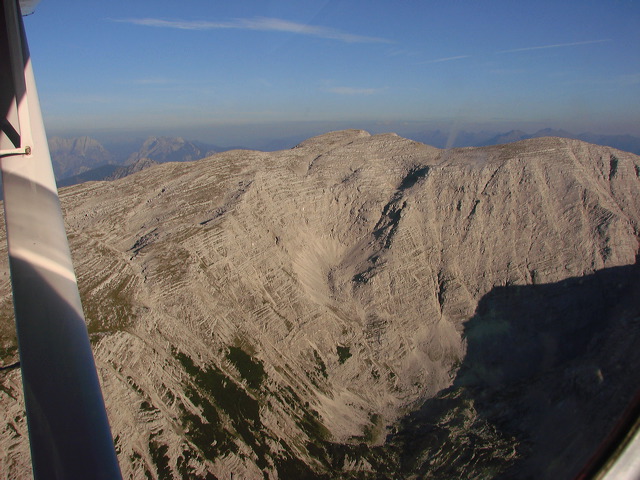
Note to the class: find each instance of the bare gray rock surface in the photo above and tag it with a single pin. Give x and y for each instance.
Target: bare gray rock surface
(280, 314)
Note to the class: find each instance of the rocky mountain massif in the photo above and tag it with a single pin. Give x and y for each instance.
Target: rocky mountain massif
(356, 307)
(82, 159)
(165, 149)
(73, 156)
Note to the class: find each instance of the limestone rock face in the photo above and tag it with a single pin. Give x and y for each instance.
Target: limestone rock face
(280, 315)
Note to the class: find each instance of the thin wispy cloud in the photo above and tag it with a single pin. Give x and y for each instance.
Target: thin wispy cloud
(556, 45)
(257, 24)
(448, 59)
(353, 91)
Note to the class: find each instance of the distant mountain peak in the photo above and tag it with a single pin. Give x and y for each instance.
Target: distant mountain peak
(71, 156)
(167, 149)
(551, 132)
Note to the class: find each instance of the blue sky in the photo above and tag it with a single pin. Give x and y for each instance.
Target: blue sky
(201, 67)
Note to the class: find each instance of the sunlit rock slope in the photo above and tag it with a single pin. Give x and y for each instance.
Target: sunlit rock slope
(325, 311)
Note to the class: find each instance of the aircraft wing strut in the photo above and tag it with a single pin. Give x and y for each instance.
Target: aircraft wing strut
(68, 428)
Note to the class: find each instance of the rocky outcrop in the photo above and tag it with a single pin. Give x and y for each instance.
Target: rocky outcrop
(338, 309)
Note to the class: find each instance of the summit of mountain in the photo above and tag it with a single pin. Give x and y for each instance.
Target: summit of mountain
(72, 156)
(627, 143)
(170, 149)
(358, 306)
(457, 139)
(508, 137)
(552, 132)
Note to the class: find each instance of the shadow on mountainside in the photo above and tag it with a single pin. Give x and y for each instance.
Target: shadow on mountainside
(548, 371)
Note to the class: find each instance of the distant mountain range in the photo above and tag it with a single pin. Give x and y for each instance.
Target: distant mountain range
(443, 139)
(77, 160)
(168, 149)
(82, 159)
(107, 172)
(73, 156)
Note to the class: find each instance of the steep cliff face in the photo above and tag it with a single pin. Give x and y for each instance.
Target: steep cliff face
(280, 314)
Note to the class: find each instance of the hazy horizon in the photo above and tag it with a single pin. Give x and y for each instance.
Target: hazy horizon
(244, 72)
(287, 134)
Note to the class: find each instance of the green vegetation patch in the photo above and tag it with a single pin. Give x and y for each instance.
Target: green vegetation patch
(8, 354)
(321, 366)
(250, 369)
(226, 393)
(209, 436)
(344, 353)
(160, 458)
(292, 467)
(215, 394)
(230, 414)
(312, 426)
(111, 310)
(375, 429)
(613, 166)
